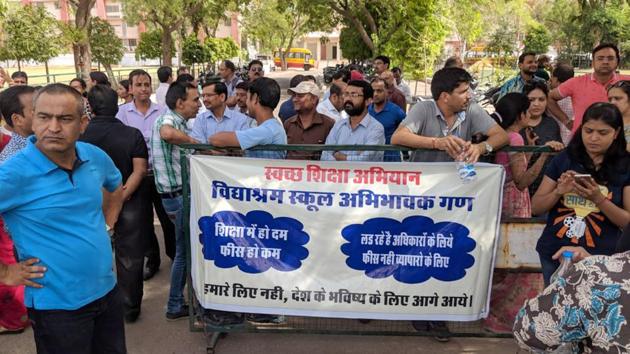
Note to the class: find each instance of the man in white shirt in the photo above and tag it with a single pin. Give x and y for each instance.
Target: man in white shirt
(402, 85)
(333, 105)
(165, 75)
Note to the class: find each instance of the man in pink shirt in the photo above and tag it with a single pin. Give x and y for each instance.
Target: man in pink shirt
(589, 88)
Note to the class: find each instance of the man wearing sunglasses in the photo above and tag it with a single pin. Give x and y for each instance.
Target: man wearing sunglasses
(255, 70)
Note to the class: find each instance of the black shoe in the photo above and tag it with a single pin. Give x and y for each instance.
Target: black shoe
(132, 316)
(174, 316)
(262, 318)
(149, 272)
(222, 318)
(442, 331)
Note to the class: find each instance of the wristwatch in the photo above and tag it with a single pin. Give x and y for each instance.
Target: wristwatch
(488, 147)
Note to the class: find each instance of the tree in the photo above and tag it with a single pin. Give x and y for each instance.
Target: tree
(166, 15)
(107, 48)
(537, 39)
(352, 46)
(149, 46)
(276, 24)
(502, 41)
(467, 20)
(218, 49)
(193, 52)
(80, 36)
(31, 34)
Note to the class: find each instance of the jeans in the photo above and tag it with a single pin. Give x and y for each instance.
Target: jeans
(97, 327)
(174, 208)
(548, 266)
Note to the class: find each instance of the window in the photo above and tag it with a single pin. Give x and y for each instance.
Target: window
(112, 8)
(133, 42)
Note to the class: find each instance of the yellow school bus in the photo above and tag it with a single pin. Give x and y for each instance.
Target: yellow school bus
(296, 58)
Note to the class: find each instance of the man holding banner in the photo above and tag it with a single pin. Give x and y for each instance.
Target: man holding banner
(262, 98)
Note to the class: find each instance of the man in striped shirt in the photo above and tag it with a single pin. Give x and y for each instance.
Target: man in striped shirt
(169, 129)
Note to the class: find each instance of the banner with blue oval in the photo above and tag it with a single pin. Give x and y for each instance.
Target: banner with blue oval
(395, 241)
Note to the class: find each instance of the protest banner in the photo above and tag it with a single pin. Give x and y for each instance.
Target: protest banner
(398, 241)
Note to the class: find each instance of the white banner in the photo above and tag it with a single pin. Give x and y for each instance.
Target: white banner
(396, 241)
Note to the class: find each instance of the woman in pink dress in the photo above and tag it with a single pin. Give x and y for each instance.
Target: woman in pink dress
(13, 318)
(510, 290)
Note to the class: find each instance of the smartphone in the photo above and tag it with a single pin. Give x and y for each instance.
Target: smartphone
(581, 177)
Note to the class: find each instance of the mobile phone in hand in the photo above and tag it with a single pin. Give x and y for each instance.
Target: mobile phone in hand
(581, 178)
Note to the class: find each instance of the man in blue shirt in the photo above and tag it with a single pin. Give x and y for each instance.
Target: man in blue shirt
(387, 113)
(218, 118)
(527, 67)
(262, 98)
(360, 128)
(59, 197)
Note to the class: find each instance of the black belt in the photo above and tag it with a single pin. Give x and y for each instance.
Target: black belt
(174, 194)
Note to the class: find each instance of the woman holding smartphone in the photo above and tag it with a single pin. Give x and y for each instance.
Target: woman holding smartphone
(590, 209)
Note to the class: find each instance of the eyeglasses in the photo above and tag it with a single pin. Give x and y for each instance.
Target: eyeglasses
(351, 94)
(256, 69)
(208, 95)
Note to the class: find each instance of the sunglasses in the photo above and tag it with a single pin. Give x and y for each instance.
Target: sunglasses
(619, 84)
(256, 69)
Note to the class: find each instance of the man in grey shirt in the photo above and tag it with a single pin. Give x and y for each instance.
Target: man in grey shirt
(448, 122)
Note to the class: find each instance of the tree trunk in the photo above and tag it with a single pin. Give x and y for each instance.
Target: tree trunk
(19, 65)
(112, 78)
(47, 71)
(167, 44)
(81, 49)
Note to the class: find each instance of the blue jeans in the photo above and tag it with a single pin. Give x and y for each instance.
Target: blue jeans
(95, 328)
(548, 266)
(174, 208)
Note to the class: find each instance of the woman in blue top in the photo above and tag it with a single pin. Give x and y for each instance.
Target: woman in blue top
(586, 189)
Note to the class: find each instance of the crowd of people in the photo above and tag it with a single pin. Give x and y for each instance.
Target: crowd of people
(58, 140)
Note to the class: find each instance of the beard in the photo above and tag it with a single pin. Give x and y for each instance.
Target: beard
(353, 110)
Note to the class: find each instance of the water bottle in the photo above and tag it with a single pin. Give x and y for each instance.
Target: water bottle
(565, 264)
(465, 170)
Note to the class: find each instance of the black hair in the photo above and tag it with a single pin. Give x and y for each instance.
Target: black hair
(604, 46)
(267, 90)
(17, 74)
(623, 245)
(229, 65)
(80, 81)
(125, 84)
(447, 80)
(377, 79)
(243, 85)
(295, 80)
(164, 72)
(138, 72)
(219, 88)
(510, 108)
(177, 91)
(181, 69)
(542, 59)
(335, 90)
(623, 85)
(384, 59)
(536, 85)
(615, 163)
(254, 62)
(103, 100)
(368, 92)
(521, 58)
(344, 75)
(100, 78)
(10, 103)
(563, 72)
(185, 78)
(451, 62)
(61, 89)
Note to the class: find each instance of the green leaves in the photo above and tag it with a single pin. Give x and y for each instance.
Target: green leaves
(31, 34)
(537, 39)
(107, 48)
(149, 46)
